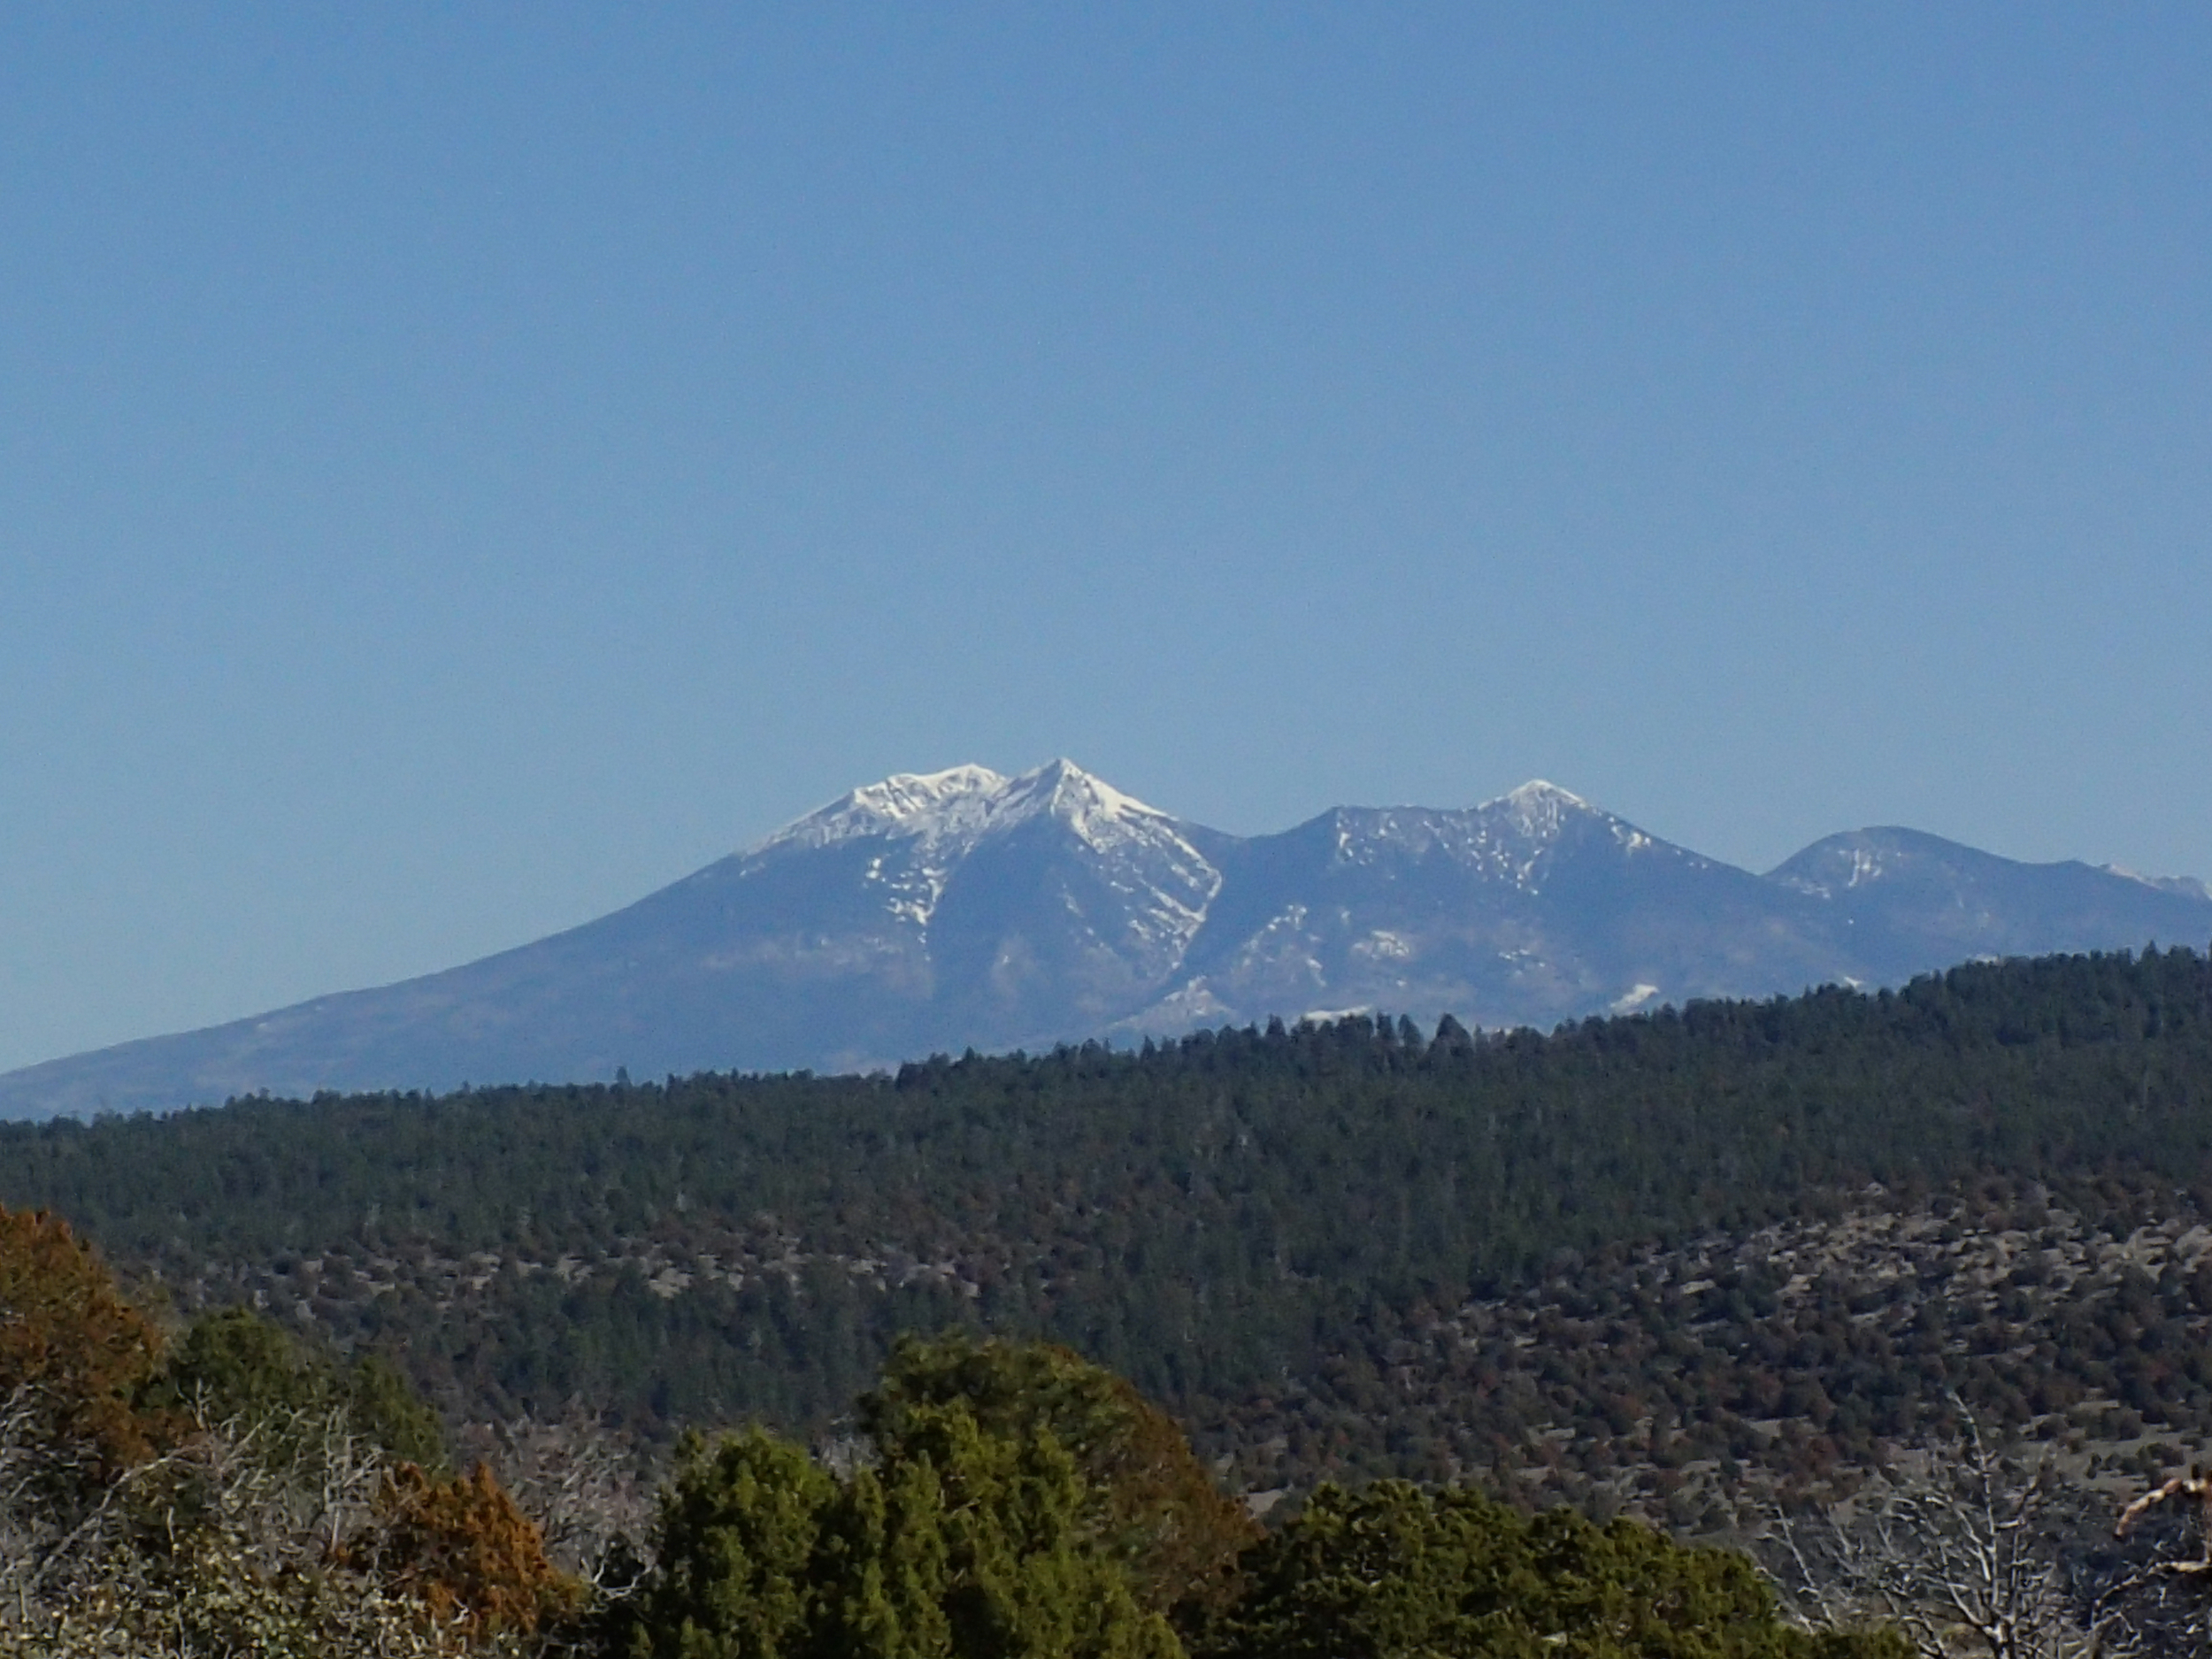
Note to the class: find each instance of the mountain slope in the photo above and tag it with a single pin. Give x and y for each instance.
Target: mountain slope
(1909, 900)
(925, 911)
(1530, 909)
(965, 909)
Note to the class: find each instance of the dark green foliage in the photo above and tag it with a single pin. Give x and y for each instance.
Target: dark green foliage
(1151, 1505)
(234, 1366)
(382, 1404)
(740, 1532)
(973, 1536)
(959, 1542)
(1398, 1571)
(1249, 1225)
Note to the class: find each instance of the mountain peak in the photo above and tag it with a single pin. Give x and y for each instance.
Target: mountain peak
(1537, 790)
(1858, 858)
(907, 803)
(1058, 781)
(1090, 806)
(1537, 810)
(1064, 782)
(965, 803)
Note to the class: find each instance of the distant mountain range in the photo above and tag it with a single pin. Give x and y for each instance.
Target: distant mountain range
(965, 909)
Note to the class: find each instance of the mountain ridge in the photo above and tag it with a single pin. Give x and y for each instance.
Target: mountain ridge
(968, 908)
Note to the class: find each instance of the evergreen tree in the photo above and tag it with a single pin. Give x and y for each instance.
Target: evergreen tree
(960, 1543)
(1399, 1572)
(736, 1574)
(1151, 1504)
(236, 1365)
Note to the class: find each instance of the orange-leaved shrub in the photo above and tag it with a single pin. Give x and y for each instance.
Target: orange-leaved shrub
(465, 1548)
(72, 1349)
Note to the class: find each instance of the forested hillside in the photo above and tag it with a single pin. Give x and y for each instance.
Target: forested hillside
(237, 1493)
(1350, 1247)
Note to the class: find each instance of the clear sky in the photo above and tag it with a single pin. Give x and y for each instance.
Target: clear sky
(463, 466)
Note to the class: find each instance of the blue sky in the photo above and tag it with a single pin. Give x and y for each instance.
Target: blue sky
(463, 466)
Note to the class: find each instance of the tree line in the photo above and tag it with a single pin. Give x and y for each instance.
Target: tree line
(1242, 1222)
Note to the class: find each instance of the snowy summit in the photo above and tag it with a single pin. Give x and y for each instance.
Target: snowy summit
(953, 810)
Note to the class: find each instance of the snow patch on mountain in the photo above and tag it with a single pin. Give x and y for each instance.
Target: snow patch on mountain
(1523, 827)
(1866, 866)
(1185, 1007)
(1382, 945)
(2188, 886)
(1513, 838)
(954, 809)
(927, 825)
(1840, 864)
(1537, 809)
(926, 806)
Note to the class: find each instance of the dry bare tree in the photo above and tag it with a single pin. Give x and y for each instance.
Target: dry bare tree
(589, 1490)
(2164, 1594)
(1966, 1550)
(222, 1545)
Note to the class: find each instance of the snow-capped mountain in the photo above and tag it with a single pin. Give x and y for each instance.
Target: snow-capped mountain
(1139, 886)
(963, 908)
(1530, 909)
(1908, 899)
(1008, 907)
